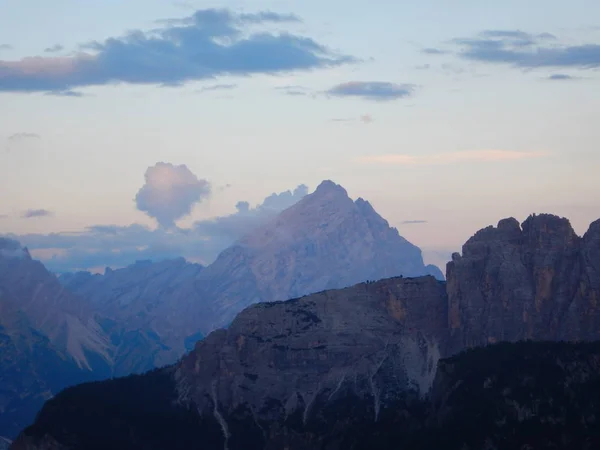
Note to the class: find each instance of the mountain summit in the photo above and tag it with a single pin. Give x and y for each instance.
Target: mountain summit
(325, 241)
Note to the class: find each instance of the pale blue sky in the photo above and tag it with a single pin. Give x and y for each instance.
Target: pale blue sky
(459, 139)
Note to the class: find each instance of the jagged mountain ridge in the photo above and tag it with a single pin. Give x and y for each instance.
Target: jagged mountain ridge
(68, 321)
(312, 372)
(535, 281)
(149, 314)
(136, 305)
(324, 241)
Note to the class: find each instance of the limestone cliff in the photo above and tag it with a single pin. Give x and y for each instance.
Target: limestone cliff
(534, 281)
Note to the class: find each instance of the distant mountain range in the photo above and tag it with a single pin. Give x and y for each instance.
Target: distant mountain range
(380, 365)
(149, 314)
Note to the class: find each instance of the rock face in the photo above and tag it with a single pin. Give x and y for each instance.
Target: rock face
(65, 319)
(42, 350)
(535, 281)
(135, 306)
(505, 396)
(372, 342)
(325, 241)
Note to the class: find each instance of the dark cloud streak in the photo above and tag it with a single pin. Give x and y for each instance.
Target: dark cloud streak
(54, 49)
(208, 44)
(372, 90)
(527, 51)
(33, 213)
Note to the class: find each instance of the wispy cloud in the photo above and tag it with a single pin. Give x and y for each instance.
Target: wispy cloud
(296, 91)
(561, 77)
(526, 50)
(434, 51)
(372, 90)
(32, 213)
(22, 136)
(208, 44)
(5, 47)
(217, 87)
(451, 157)
(54, 49)
(413, 222)
(75, 94)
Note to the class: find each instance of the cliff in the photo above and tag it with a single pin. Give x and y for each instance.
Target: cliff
(535, 281)
(502, 397)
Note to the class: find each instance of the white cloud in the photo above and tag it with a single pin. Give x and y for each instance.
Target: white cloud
(170, 192)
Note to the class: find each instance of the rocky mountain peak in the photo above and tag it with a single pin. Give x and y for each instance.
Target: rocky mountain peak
(324, 241)
(519, 282)
(328, 187)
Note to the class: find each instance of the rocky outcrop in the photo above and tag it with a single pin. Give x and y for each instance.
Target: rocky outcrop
(504, 397)
(538, 280)
(374, 341)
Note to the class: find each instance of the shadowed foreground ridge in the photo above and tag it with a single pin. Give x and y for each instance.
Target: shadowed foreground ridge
(358, 367)
(504, 396)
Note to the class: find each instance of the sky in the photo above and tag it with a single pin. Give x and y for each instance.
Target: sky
(138, 129)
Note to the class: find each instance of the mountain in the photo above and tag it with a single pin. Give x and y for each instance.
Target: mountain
(535, 281)
(376, 363)
(43, 349)
(505, 396)
(325, 241)
(135, 306)
(64, 318)
(155, 312)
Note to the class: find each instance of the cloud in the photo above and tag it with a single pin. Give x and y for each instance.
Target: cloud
(365, 118)
(372, 90)
(22, 136)
(5, 47)
(296, 91)
(434, 51)
(3, 216)
(54, 49)
(451, 157)
(217, 87)
(413, 222)
(560, 77)
(527, 51)
(65, 93)
(170, 192)
(117, 246)
(31, 213)
(208, 44)
(230, 228)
